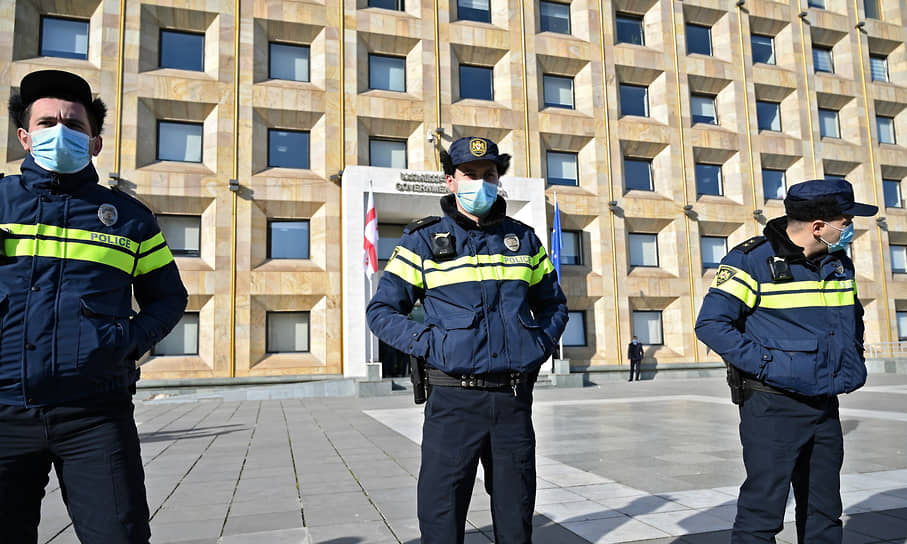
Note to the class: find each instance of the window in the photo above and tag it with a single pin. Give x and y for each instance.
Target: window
(763, 49)
(67, 38)
(288, 239)
(630, 29)
(816, 3)
(288, 332)
(289, 62)
(699, 39)
(769, 115)
(892, 190)
(898, 259)
(177, 141)
(638, 174)
(182, 340)
(562, 168)
(182, 233)
(828, 124)
(474, 10)
(835, 177)
(387, 153)
(387, 73)
(555, 17)
(572, 250)
(396, 5)
(389, 236)
(476, 82)
(708, 179)
(773, 184)
(703, 109)
(902, 326)
(878, 67)
(575, 332)
(872, 9)
(558, 92)
(822, 59)
(634, 100)
(885, 126)
(182, 50)
(643, 249)
(714, 248)
(288, 148)
(647, 327)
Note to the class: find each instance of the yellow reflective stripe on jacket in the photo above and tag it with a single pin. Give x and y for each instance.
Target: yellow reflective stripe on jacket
(153, 261)
(151, 243)
(787, 287)
(406, 265)
(489, 272)
(539, 271)
(72, 234)
(736, 283)
(807, 299)
(38, 247)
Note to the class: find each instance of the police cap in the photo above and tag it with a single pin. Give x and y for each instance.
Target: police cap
(473, 148)
(54, 84)
(824, 199)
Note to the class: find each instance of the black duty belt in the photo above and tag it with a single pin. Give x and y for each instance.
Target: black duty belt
(488, 381)
(756, 385)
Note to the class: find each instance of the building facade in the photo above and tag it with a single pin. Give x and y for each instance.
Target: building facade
(668, 131)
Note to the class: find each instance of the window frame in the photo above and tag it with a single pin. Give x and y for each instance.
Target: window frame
(708, 31)
(190, 354)
(160, 48)
(401, 5)
(639, 19)
(884, 60)
(41, 33)
(649, 167)
(660, 324)
(887, 182)
(898, 314)
(645, 98)
(710, 265)
(831, 59)
(876, 14)
(548, 167)
(891, 249)
(585, 330)
(777, 107)
(307, 48)
(577, 236)
(157, 141)
(383, 56)
(268, 315)
(816, 4)
(630, 254)
(837, 116)
(720, 178)
(890, 120)
(545, 78)
(394, 140)
(542, 18)
(308, 155)
(710, 98)
(783, 183)
(183, 252)
(461, 18)
(490, 71)
(771, 41)
(272, 221)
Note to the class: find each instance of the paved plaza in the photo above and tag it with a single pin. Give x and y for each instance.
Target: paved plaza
(654, 462)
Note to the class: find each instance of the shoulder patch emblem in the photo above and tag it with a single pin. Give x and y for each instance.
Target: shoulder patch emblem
(108, 214)
(512, 242)
(724, 273)
(394, 254)
(478, 147)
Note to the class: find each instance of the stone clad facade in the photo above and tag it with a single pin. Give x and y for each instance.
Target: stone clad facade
(234, 286)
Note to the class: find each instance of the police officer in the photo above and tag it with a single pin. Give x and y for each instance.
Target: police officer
(493, 313)
(783, 310)
(74, 255)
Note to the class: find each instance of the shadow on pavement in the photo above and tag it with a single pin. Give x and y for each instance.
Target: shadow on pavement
(196, 432)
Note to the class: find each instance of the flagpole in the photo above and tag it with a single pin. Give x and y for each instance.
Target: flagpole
(560, 341)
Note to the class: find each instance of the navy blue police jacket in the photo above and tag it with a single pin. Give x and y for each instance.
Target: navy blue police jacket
(75, 253)
(493, 306)
(803, 334)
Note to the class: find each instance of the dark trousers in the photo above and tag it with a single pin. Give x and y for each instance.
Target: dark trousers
(94, 448)
(790, 441)
(634, 366)
(462, 427)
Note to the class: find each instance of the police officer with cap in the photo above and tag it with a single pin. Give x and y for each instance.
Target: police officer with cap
(74, 254)
(493, 314)
(783, 311)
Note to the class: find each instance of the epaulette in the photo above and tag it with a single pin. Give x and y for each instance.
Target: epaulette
(134, 199)
(751, 244)
(421, 224)
(518, 222)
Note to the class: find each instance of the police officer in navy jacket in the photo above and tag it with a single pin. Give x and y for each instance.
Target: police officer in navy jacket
(493, 313)
(74, 256)
(783, 311)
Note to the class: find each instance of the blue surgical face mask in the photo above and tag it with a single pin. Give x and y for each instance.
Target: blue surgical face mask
(60, 149)
(476, 196)
(635, 341)
(843, 241)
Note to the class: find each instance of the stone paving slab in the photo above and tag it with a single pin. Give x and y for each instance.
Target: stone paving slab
(653, 462)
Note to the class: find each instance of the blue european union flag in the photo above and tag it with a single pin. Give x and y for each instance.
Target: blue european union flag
(557, 240)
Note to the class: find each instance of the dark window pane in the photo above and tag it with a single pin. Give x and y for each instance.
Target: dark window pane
(714, 248)
(816, 3)
(387, 73)
(878, 68)
(773, 186)
(288, 240)
(558, 92)
(763, 49)
(290, 62)
(885, 127)
(182, 233)
(828, 124)
(575, 331)
(638, 174)
(892, 189)
(822, 60)
(630, 30)
(699, 39)
(634, 100)
(643, 249)
(708, 179)
(182, 50)
(835, 177)
(872, 9)
(65, 38)
(474, 10)
(387, 4)
(572, 250)
(768, 115)
(898, 259)
(555, 17)
(179, 141)
(703, 109)
(387, 153)
(562, 168)
(389, 236)
(288, 149)
(476, 82)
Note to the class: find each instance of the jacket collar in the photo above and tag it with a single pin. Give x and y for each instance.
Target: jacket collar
(495, 215)
(37, 179)
(776, 232)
